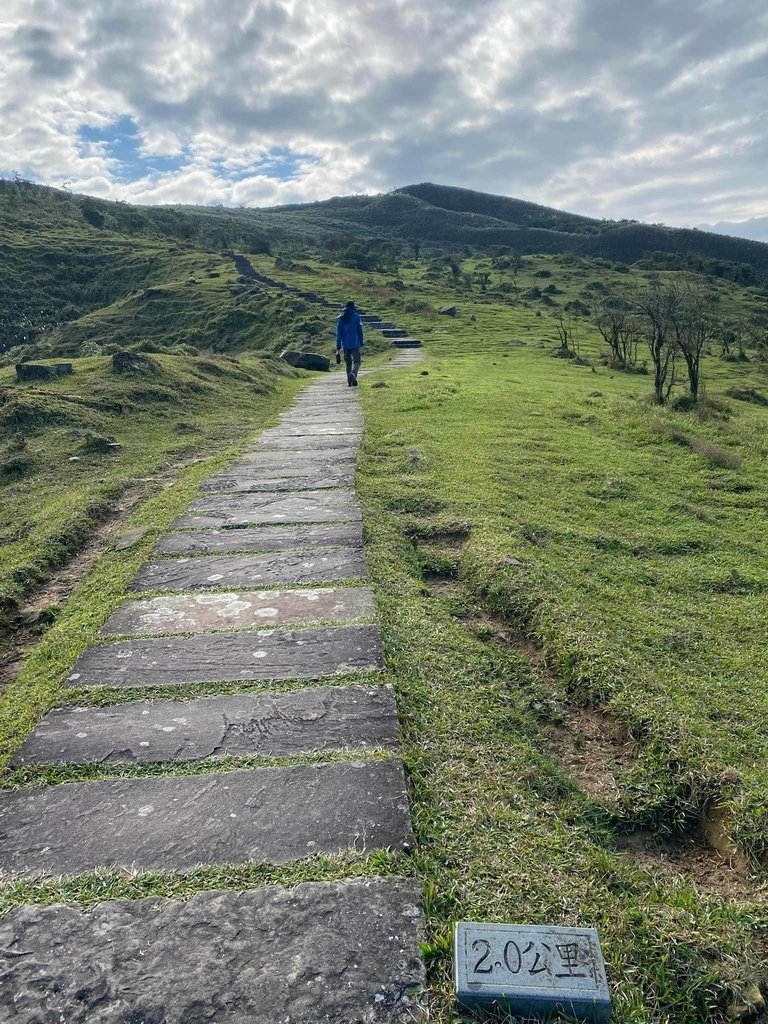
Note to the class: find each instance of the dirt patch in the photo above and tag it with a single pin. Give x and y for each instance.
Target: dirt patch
(594, 749)
(694, 857)
(442, 584)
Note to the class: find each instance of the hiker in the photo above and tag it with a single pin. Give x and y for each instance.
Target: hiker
(349, 337)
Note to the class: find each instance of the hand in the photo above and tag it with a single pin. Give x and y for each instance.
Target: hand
(338, 356)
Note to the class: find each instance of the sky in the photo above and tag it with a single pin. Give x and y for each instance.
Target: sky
(655, 110)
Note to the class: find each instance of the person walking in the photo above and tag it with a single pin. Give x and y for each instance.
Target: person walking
(349, 338)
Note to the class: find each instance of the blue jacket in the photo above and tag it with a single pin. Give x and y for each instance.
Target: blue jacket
(349, 334)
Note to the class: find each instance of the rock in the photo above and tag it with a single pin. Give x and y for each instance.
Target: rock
(36, 371)
(73, 458)
(132, 362)
(213, 273)
(305, 360)
(191, 280)
(425, 373)
(151, 293)
(131, 537)
(26, 359)
(448, 311)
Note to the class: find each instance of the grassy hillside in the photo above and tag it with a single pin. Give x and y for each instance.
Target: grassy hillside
(71, 446)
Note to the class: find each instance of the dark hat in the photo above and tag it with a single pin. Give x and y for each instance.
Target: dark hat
(349, 304)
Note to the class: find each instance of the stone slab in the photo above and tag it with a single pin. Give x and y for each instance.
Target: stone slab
(230, 657)
(221, 571)
(196, 613)
(262, 538)
(335, 499)
(250, 483)
(323, 442)
(310, 428)
(326, 952)
(178, 822)
(233, 725)
(294, 509)
(534, 971)
(278, 464)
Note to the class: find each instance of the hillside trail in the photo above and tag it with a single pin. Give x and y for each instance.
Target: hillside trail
(275, 540)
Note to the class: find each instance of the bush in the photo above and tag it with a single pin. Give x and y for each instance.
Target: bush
(751, 395)
(712, 453)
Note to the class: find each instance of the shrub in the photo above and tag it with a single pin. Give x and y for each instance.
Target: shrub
(751, 395)
(712, 453)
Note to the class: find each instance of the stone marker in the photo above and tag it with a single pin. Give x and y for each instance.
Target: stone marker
(263, 538)
(335, 952)
(230, 657)
(221, 571)
(175, 822)
(265, 724)
(196, 613)
(531, 970)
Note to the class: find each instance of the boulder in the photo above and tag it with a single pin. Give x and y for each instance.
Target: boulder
(35, 371)
(132, 362)
(150, 293)
(448, 311)
(306, 360)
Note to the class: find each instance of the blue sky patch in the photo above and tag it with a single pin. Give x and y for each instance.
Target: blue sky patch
(122, 143)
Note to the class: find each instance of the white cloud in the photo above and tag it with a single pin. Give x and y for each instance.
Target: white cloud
(654, 111)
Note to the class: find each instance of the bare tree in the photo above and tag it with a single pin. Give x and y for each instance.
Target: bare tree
(564, 324)
(620, 328)
(656, 307)
(695, 323)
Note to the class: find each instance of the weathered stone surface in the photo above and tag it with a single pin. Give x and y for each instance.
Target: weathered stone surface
(263, 538)
(251, 482)
(131, 537)
(311, 429)
(306, 360)
(178, 822)
(272, 501)
(230, 657)
(335, 953)
(267, 724)
(133, 362)
(36, 371)
(272, 442)
(218, 571)
(291, 507)
(273, 463)
(448, 311)
(196, 613)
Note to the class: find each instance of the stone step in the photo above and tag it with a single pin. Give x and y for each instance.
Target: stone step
(394, 332)
(230, 657)
(274, 501)
(407, 343)
(295, 509)
(262, 538)
(250, 482)
(323, 442)
(336, 952)
(175, 823)
(197, 613)
(310, 429)
(282, 463)
(221, 571)
(234, 725)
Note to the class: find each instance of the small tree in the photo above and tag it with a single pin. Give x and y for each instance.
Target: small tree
(483, 278)
(564, 328)
(620, 329)
(655, 306)
(695, 324)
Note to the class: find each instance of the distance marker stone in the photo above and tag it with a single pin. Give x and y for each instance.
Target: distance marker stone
(332, 952)
(265, 724)
(531, 970)
(263, 538)
(230, 657)
(219, 571)
(176, 822)
(196, 613)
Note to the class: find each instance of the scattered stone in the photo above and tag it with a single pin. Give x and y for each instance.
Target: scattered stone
(176, 823)
(448, 311)
(133, 362)
(306, 360)
(191, 280)
(36, 371)
(151, 293)
(425, 373)
(197, 613)
(321, 951)
(131, 537)
(231, 725)
(515, 343)
(264, 538)
(230, 657)
(73, 458)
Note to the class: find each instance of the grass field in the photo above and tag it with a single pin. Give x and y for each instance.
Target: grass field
(572, 588)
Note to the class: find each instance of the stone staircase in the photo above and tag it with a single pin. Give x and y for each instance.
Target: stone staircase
(260, 583)
(400, 337)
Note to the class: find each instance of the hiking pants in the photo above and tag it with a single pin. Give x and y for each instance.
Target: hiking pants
(352, 362)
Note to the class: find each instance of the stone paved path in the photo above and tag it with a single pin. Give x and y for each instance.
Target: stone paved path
(262, 580)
